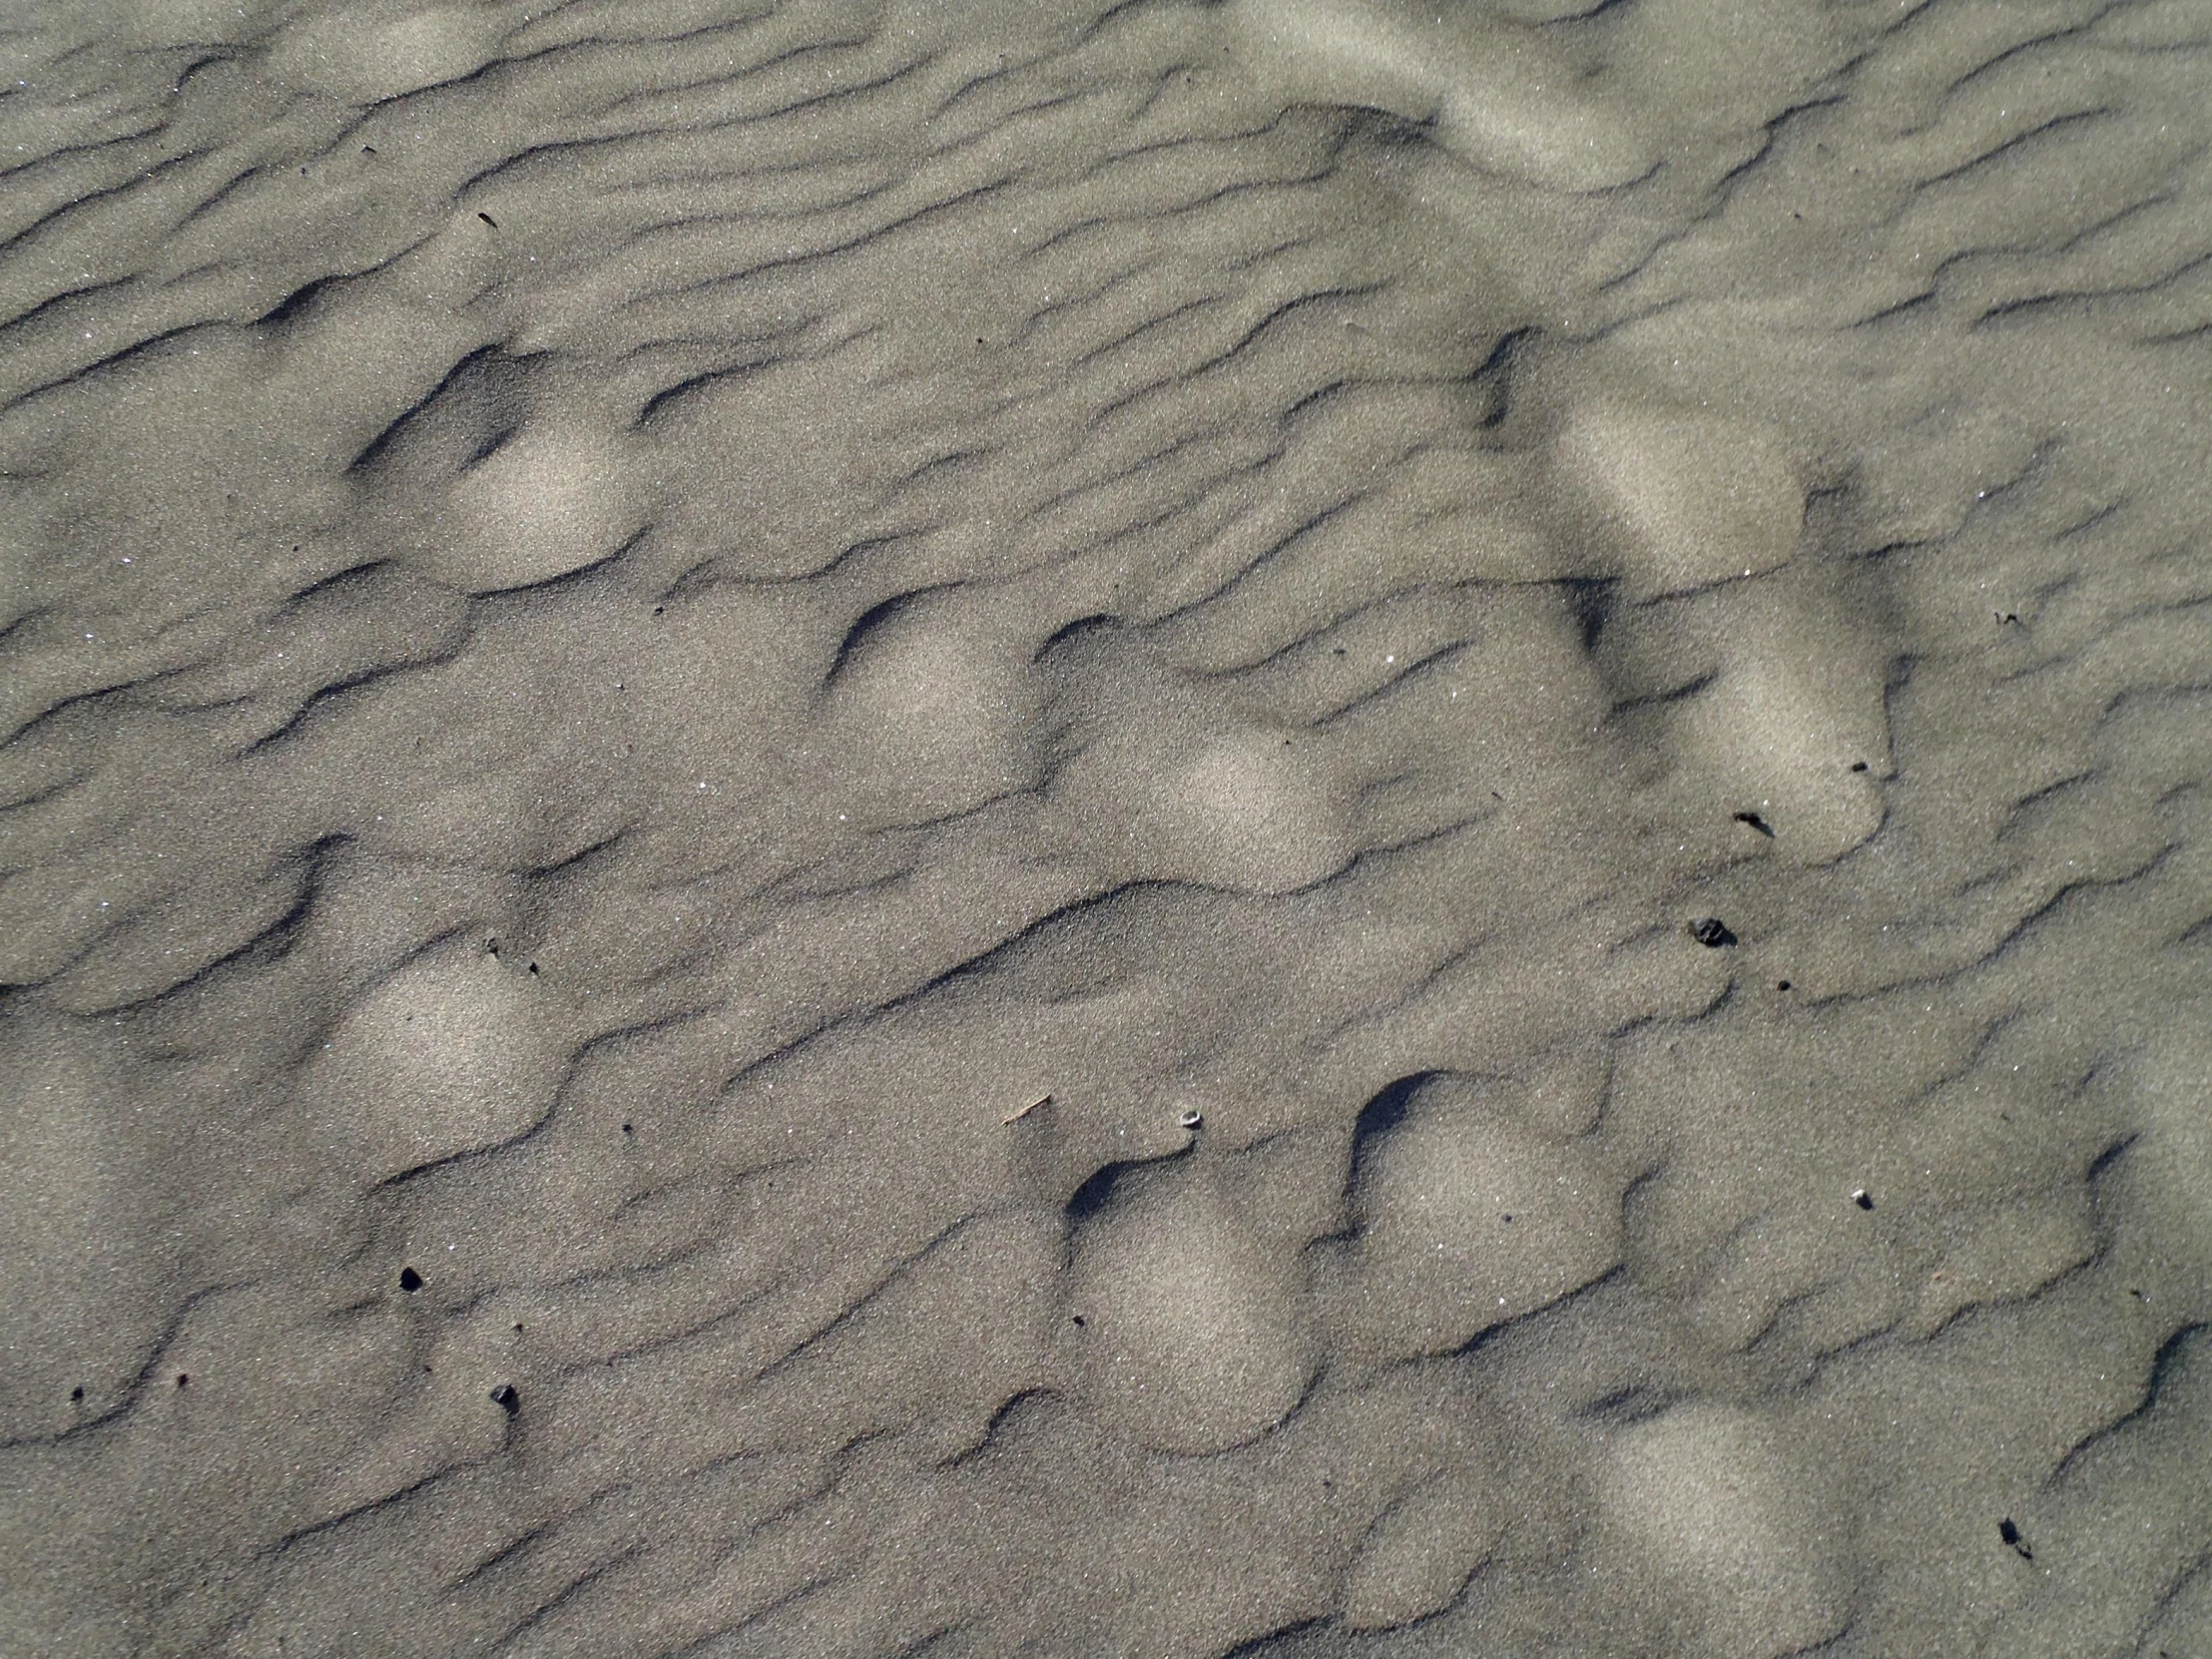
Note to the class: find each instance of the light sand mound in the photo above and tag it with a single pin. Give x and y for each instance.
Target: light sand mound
(1730, 1538)
(452, 1054)
(1191, 1335)
(1470, 1217)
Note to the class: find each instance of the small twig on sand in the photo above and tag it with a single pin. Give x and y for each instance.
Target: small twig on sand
(1016, 1117)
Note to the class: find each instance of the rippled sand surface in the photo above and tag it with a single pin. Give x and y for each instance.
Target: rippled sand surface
(1300, 827)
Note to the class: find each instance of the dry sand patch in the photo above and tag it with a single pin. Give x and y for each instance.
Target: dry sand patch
(1300, 827)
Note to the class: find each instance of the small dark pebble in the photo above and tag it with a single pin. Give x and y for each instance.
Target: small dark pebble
(410, 1279)
(1858, 766)
(1508, 1221)
(183, 1380)
(489, 219)
(1079, 1321)
(1711, 932)
(505, 1398)
(1754, 822)
(1863, 1198)
(2011, 1535)
(629, 1128)
(1782, 984)
(76, 1396)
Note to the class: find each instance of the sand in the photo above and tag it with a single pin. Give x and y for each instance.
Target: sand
(1298, 827)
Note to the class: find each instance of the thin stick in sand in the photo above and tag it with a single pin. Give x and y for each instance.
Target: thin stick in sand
(1016, 1117)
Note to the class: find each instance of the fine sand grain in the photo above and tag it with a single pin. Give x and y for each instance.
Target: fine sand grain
(1297, 827)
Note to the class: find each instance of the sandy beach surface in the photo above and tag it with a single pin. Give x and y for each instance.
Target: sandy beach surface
(1292, 827)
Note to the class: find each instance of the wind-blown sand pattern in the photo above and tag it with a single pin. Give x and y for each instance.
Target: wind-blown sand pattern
(1296, 828)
